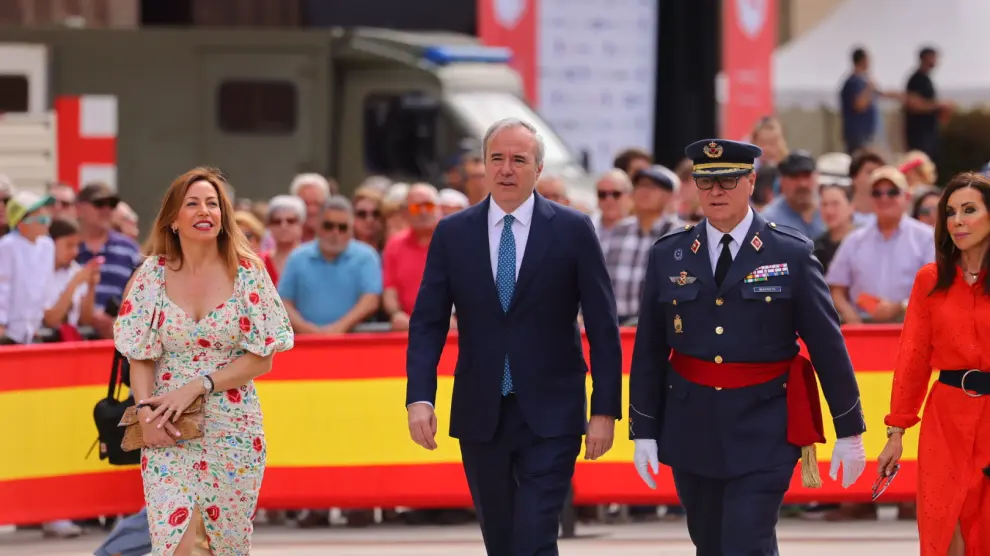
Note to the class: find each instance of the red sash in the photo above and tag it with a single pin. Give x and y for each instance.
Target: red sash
(804, 411)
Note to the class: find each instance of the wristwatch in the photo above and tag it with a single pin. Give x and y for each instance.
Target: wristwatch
(892, 430)
(208, 384)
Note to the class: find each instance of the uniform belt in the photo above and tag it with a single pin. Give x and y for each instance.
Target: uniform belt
(804, 412)
(972, 381)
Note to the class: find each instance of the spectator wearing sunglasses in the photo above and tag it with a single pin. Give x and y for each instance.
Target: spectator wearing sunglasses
(874, 268)
(27, 263)
(404, 259)
(925, 206)
(369, 222)
(285, 217)
(65, 202)
(333, 283)
(627, 250)
(614, 202)
(95, 205)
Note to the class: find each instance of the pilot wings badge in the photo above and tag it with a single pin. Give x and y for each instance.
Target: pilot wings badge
(683, 279)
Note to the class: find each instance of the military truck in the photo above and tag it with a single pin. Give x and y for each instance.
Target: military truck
(264, 105)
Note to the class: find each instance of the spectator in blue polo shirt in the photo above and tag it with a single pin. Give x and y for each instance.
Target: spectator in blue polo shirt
(333, 283)
(95, 204)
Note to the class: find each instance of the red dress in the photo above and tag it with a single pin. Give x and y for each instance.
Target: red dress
(946, 330)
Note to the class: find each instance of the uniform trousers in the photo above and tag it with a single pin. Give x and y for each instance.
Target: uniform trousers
(735, 516)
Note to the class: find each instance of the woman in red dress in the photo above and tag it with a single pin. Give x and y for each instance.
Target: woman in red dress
(947, 327)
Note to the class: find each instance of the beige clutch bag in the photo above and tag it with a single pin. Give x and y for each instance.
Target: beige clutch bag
(190, 425)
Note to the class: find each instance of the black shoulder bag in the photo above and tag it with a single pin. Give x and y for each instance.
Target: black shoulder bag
(108, 413)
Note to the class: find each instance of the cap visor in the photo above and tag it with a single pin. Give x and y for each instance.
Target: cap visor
(727, 173)
(43, 202)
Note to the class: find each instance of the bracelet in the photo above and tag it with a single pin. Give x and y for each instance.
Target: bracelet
(141, 406)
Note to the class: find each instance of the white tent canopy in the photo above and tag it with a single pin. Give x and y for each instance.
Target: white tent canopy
(809, 71)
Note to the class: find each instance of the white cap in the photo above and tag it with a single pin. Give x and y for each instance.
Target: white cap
(833, 168)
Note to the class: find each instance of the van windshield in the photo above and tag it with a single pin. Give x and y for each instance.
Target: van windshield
(481, 109)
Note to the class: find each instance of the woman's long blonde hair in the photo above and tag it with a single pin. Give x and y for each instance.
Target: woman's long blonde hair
(231, 243)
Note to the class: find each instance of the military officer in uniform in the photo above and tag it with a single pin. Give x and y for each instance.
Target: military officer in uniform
(718, 390)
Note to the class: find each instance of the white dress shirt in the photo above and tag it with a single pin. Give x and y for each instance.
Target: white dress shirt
(25, 269)
(520, 230)
(738, 237)
(58, 283)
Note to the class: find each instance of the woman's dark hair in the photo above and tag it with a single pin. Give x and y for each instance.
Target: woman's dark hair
(61, 228)
(846, 190)
(919, 199)
(946, 254)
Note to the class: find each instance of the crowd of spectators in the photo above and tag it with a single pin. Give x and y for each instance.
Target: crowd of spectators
(346, 263)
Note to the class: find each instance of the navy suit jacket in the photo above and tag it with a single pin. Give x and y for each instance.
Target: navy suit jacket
(562, 271)
(731, 432)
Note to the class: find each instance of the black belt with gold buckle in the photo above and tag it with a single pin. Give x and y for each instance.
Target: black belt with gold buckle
(974, 382)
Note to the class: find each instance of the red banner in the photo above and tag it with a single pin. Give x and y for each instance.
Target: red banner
(749, 36)
(512, 24)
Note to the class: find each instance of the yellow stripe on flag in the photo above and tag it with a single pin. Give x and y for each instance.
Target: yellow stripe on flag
(315, 423)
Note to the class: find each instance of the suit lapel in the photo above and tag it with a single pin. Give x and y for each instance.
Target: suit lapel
(536, 246)
(749, 256)
(481, 249)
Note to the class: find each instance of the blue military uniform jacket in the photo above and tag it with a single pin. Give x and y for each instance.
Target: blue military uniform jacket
(774, 292)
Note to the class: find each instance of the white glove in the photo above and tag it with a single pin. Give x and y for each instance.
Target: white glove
(850, 453)
(646, 454)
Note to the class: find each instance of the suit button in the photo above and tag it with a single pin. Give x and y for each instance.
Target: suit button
(674, 302)
(719, 330)
(768, 299)
(718, 358)
(719, 302)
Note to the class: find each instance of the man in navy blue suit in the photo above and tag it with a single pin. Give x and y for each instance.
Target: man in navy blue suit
(517, 267)
(717, 389)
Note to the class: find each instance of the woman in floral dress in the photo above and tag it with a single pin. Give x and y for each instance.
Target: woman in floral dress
(201, 317)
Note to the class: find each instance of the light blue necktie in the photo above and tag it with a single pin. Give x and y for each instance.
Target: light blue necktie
(505, 283)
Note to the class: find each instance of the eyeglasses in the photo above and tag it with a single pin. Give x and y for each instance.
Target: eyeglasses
(417, 209)
(891, 193)
(105, 203)
(61, 203)
(331, 226)
(883, 482)
(43, 219)
(706, 183)
(602, 195)
(368, 214)
(284, 221)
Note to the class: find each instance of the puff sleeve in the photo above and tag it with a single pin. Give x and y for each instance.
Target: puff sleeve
(264, 324)
(913, 369)
(135, 331)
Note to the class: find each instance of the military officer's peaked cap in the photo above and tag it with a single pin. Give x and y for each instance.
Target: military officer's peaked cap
(721, 157)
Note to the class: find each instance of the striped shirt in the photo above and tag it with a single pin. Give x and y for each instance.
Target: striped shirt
(122, 256)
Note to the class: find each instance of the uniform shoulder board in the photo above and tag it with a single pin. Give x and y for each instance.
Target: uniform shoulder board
(674, 232)
(788, 231)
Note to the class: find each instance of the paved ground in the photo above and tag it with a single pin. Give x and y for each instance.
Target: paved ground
(797, 538)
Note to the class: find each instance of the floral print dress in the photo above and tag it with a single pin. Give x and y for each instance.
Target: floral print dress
(222, 471)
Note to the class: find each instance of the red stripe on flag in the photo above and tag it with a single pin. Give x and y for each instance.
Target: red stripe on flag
(74, 150)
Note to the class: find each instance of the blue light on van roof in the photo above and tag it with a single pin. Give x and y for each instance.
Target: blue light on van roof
(443, 55)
